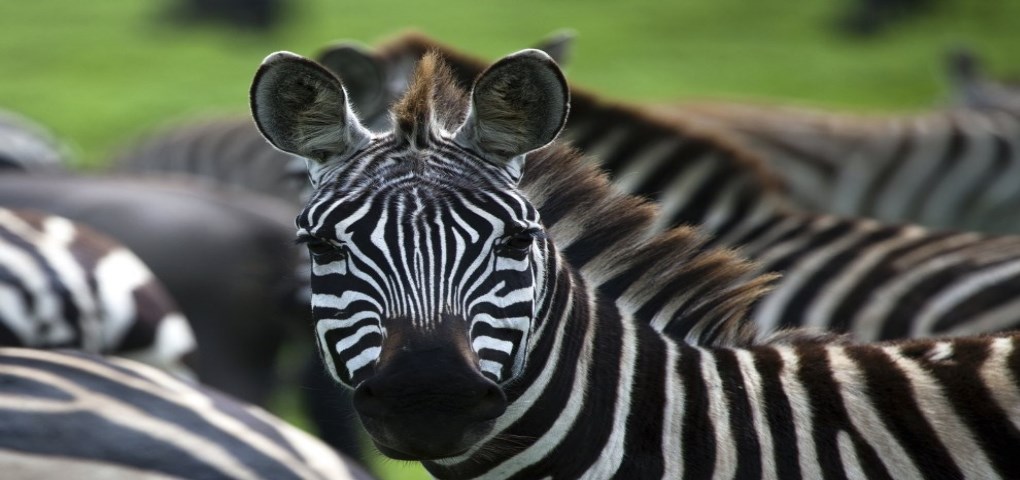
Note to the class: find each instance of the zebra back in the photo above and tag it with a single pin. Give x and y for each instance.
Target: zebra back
(949, 169)
(81, 416)
(225, 151)
(64, 285)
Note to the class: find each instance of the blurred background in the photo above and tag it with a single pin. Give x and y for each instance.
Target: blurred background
(100, 74)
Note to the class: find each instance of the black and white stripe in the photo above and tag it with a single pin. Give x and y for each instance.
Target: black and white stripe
(952, 169)
(63, 285)
(72, 415)
(602, 394)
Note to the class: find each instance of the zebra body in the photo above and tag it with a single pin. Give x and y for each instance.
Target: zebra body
(946, 170)
(65, 414)
(445, 293)
(63, 285)
(239, 290)
(876, 281)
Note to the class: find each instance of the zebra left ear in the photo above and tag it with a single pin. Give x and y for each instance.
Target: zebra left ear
(519, 104)
(301, 108)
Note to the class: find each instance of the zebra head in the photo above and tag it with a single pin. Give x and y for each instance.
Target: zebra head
(428, 263)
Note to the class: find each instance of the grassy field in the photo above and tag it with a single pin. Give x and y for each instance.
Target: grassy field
(100, 73)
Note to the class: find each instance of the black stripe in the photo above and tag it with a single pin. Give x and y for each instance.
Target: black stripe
(889, 165)
(929, 186)
(778, 412)
(698, 433)
(749, 461)
(647, 415)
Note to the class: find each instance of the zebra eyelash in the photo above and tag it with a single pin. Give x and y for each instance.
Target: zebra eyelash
(319, 247)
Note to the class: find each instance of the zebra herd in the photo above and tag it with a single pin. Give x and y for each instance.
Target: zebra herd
(515, 278)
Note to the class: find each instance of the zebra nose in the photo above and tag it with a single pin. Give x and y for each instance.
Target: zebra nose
(472, 400)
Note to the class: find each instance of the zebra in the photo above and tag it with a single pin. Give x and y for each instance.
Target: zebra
(64, 285)
(226, 257)
(846, 274)
(445, 296)
(27, 146)
(67, 414)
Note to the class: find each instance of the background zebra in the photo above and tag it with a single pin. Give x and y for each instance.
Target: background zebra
(475, 347)
(952, 169)
(873, 280)
(72, 415)
(226, 257)
(27, 146)
(63, 285)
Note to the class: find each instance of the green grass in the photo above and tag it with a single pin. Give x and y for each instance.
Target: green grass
(99, 73)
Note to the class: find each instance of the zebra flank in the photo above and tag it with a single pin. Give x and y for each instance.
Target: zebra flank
(73, 415)
(846, 274)
(444, 294)
(63, 285)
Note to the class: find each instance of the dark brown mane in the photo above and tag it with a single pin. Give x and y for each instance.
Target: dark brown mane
(706, 294)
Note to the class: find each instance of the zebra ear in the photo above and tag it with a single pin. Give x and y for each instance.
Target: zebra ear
(362, 73)
(519, 104)
(301, 108)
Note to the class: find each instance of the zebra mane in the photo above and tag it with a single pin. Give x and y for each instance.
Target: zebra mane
(670, 280)
(463, 69)
(433, 99)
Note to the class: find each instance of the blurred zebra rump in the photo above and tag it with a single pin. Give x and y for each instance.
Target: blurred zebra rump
(63, 285)
(25, 146)
(846, 274)
(72, 415)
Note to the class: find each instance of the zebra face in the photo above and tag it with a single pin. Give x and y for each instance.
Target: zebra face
(428, 265)
(415, 257)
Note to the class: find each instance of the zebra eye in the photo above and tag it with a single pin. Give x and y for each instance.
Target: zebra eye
(520, 241)
(322, 249)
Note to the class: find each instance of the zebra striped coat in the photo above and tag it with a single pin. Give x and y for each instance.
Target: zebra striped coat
(442, 296)
(63, 285)
(71, 415)
(876, 281)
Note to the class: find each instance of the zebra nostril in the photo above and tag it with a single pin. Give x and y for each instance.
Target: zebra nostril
(491, 404)
(367, 401)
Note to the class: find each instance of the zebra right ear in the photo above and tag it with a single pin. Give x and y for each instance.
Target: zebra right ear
(519, 104)
(362, 73)
(301, 108)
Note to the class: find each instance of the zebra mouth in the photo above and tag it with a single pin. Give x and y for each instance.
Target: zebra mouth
(398, 454)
